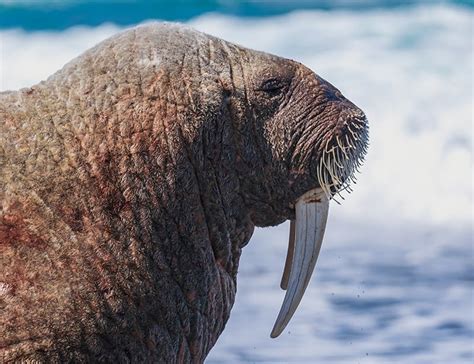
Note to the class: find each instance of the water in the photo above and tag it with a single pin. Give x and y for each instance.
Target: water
(394, 281)
(379, 295)
(61, 14)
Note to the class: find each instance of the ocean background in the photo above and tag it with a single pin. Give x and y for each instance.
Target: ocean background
(395, 278)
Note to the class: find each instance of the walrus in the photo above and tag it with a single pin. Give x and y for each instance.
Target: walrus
(131, 179)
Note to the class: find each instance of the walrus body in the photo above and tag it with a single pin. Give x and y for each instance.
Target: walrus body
(130, 181)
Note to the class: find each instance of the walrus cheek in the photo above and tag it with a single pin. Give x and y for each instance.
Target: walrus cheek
(306, 237)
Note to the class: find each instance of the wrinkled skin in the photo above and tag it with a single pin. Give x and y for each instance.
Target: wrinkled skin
(129, 183)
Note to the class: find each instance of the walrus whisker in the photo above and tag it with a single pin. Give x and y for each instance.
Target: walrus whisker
(354, 135)
(339, 193)
(335, 200)
(329, 168)
(340, 145)
(339, 163)
(320, 176)
(350, 142)
(336, 159)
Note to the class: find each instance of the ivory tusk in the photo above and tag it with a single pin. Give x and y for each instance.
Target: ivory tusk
(289, 257)
(311, 216)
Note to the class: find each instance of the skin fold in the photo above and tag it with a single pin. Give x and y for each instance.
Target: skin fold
(131, 179)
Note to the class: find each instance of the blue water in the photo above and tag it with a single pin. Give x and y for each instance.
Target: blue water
(395, 279)
(371, 301)
(59, 15)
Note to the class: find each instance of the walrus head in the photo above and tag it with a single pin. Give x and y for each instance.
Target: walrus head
(314, 140)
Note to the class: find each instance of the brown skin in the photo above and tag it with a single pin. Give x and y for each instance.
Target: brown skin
(129, 183)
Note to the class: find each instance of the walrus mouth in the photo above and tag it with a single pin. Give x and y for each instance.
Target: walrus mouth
(341, 157)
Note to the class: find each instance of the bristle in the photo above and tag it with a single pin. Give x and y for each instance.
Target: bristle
(341, 160)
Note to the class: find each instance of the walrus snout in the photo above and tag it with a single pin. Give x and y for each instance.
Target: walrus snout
(332, 137)
(329, 135)
(342, 151)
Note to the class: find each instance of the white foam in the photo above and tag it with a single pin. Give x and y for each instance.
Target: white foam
(30, 57)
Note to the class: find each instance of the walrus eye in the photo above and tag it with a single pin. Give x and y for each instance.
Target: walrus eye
(272, 86)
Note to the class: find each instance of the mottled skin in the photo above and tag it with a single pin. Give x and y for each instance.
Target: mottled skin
(130, 181)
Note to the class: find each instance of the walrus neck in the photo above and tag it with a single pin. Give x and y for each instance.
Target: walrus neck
(150, 199)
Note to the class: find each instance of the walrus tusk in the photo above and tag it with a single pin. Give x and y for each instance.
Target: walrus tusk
(311, 216)
(289, 257)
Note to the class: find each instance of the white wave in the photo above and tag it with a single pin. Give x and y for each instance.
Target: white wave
(30, 57)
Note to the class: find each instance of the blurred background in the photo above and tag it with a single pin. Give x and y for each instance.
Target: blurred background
(394, 281)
